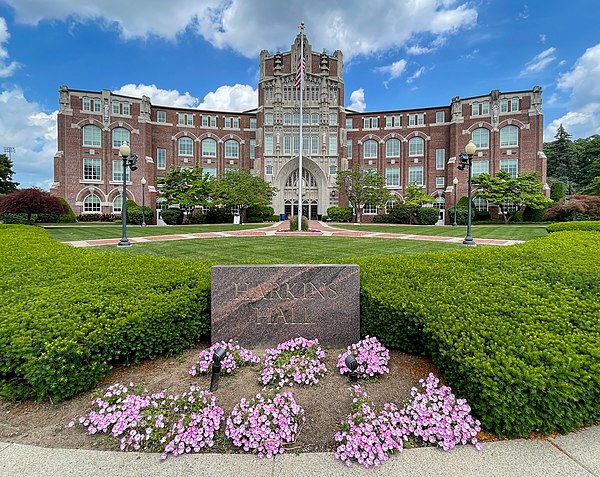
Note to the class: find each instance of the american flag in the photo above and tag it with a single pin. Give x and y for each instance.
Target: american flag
(300, 73)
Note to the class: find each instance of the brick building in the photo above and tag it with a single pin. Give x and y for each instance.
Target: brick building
(406, 146)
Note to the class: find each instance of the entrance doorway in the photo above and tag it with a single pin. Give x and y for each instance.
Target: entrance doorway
(310, 194)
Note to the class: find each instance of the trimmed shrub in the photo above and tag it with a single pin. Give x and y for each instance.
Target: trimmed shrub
(64, 323)
(134, 215)
(172, 216)
(14, 219)
(98, 217)
(259, 211)
(273, 218)
(533, 215)
(219, 215)
(462, 215)
(383, 219)
(340, 214)
(402, 213)
(480, 215)
(294, 224)
(428, 215)
(591, 226)
(514, 330)
(197, 217)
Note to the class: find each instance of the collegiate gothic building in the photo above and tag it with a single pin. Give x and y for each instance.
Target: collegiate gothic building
(406, 146)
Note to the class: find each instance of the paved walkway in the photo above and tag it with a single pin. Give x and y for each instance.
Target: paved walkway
(572, 455)
(280, 229)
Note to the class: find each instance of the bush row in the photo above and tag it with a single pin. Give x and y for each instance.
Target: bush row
(67, 315)
(589, 226)
(514, 330)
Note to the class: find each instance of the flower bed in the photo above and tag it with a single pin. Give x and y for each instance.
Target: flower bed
(372, 358)
(235, 357)
(296, 361)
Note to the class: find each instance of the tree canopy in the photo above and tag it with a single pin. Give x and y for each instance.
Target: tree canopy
(188, 187)
(239, 188)
(6, 183)
(31, 201)
(362, 187)
(502, 190)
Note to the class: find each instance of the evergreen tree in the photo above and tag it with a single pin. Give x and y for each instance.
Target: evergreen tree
(562, 159)
(6, 184)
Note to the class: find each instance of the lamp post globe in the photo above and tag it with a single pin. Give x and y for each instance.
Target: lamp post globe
(143, 182)
(455, 183)
(124, 152)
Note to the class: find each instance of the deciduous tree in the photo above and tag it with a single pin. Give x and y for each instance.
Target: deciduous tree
(31, 201)
(361, 187)
(187, 187)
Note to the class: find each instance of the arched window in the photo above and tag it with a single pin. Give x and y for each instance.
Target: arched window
(481, 138)
(186, 146)
(91, 204)
(509, 136)
(370, 149)
(117, 204)
(209, 148)
(232, 149)
(416, 146)
(92, 136)
(119, 136)
(392, 148)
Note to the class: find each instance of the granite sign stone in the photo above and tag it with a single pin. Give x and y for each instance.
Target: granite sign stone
(268, 304)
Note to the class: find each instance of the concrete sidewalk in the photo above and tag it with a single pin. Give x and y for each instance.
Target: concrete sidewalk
(573, 455)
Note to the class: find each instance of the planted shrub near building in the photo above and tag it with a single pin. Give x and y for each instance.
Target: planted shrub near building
(514, 330)
(67, 315)
(589, 226)
(340, 214)
(172, 216)
(427, 215)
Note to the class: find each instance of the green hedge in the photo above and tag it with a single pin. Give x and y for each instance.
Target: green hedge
(340, 214)
(67, 315)
(428, 215)
(590, 226)
(514, 330)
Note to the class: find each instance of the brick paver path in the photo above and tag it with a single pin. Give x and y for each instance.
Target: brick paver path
(281, 229)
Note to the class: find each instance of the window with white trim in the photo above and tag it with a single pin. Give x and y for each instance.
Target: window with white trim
(333, 119)
(232, 149)
(480, 109)
(348, 123)
(389, 205)
(92, 136)
(333, 145)
(86, 104)
(314, 145)
(392, 121)
(91, 204)
(119, 136)
(287, 145)
(415, 175)
(509, 105)
(269, 145)
(480, 167)
(296, 144)
(211, 171)
(287, 118)
(268, 170)
(369, 209)
(125, 108)
(509, 136)
(117, 204)
(305, 145)
(252, 123)
(370, 149)
(416, 147)
(392, 177)
(514, 104)
(349, 148)
(440, 117)
(185, 146)
(314, 119)
(439, 182)
(92, 169)
(161, 116)
(511, 166)
(97, 105)
(209, 148)
(333, 170)
(116, 107)
(185, 119)
(252, 148)
(117, 171)
(416, 119)
(440, 159)
(268, 120)
(370, 123)
(392, 148)
(161, 158)
(480, 204)
(481, 138)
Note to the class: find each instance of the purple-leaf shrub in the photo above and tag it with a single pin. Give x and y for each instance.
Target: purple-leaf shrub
(265, 424)
(437, 417)
(372, 358)
(235, 357)
(366, 436)
(156, 422)
(296, 361)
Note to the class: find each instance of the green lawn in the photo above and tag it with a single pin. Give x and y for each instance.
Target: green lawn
(90, 232)
(500, 231)
(316, 249)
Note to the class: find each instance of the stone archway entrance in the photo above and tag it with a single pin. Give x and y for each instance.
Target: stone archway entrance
(310, 194)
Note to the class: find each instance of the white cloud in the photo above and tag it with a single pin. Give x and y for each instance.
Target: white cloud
(354, 26)
(393, 70)
(163, 97)
(542, 38)
(358, 100)
(539, 62)
(577, 123)
(6, 68)
(239, 97)
(32, 133)
(418, 50)
(416, 74)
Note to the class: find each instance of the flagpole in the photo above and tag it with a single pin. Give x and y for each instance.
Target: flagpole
(301, 66)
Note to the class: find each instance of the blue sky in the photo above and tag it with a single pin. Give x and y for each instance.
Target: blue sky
(204, 53)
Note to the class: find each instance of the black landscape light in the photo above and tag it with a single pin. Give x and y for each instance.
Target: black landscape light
(218, 356)
(352, 365)
(129, 161)
(466, 160)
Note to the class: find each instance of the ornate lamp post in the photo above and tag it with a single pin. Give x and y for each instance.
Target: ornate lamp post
(455, 182)
(144, 182)
(466, 160)
(129, 160)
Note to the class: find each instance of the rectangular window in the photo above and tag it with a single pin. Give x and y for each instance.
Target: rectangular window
(212, 171)
(161, 116)
(185, 119)
(161, 158)
(252, 148)
(511, 166)
(296, 144)
(92, 136)
(333, 119)
(480, 109)
(504, 105)
(440, 117)
(333, 170)
(269, 145)
(415, 175)
(268, 120)
(416, 119)
(392, 177)
(349, 147)
(392, 121)
(439, 182)
(314, 145)
(97, 105)
(287, 145)
(213, 121)
(305, 118)
(369, 209)
(314, 119)
(126, 109)
(117, 169)
(348, 123)
(485, 108)
(269, 170)
(252, 123)
(333, 145)
(480, 167)
(86, 104)
(440, 159)
(204, 121)
(287, 118)
(305, 145)
(92, 169)
(190, 119)
(180, 119)
(116, 107)
(370, 123)
(514, 104)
